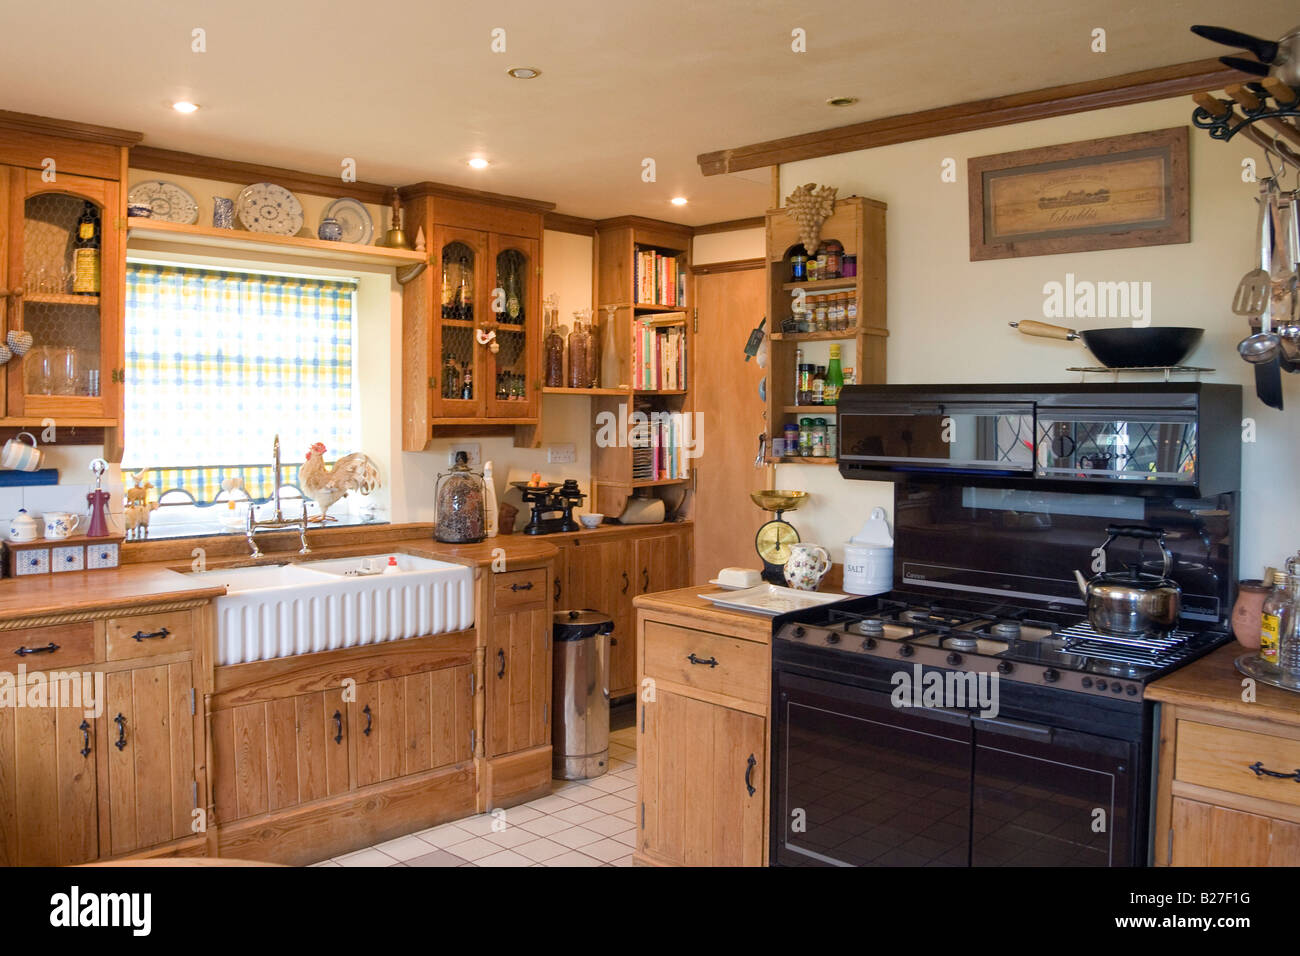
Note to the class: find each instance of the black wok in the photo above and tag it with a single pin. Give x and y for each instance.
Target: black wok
(1155, 346)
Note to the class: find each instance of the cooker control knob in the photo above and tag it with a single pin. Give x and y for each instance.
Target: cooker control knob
(1004, 667)
(799, 631)
(1131, 690)
(1086, 682)
(832, 638)
(1101, 685)
(1117, 687)
(906, 651)
(868, 643)
(954, 659)
(1051, 675)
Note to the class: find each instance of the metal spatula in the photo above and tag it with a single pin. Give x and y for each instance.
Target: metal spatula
(1255, 288)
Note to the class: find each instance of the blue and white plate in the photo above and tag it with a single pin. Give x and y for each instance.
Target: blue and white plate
(355, 219)
(268, 208)
(166, 201)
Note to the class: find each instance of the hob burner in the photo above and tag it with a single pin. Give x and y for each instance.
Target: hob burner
(871, 627)
(1006, 630)
(961, 643)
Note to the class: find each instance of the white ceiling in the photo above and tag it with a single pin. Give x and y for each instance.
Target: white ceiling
(411, 89)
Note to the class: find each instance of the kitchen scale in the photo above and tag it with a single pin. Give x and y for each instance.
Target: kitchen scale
(775, 537)
(552, 505)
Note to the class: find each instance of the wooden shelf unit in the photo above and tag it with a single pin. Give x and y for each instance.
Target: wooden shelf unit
(614, 249)
(144, 228)
(859, 224)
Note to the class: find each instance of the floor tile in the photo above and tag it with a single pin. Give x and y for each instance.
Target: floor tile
(445, 835)
(505, 858)
(404, 848)
(626, 837)
(436, 858)
(572, 858)
(550, 804)
(575, 837)
(510, 837)
(579, 813)
(541, 849)
(608, 826)
(475, 849)
(521, 814)
(609, 804)
(628, 814)
(607, 782)
(368, 857)
(583, 794)
(324, 863)
(545, 826)
(624, 861)
(606, 850)
(478, 825)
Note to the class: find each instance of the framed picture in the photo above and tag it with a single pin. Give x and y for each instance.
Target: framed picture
(1111, 193)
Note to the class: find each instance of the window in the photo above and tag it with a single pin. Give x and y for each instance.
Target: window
(218, 363)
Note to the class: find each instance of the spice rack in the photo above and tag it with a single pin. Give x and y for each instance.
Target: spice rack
(859, 225)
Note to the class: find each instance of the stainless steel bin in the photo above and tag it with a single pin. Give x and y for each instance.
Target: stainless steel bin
(580, 695)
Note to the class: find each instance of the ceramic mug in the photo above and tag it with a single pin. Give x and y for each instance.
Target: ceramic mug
(60, 524)
(21, 456)
(807, 565)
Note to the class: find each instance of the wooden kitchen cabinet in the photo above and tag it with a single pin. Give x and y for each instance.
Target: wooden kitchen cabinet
(601, 579)
(411, 724)
(1208, 835)
(662, 562)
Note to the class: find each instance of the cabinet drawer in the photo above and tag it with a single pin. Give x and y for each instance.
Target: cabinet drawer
(517, 590)
(1221, 758)
(48, 648)
(143, 635)
(723, 665)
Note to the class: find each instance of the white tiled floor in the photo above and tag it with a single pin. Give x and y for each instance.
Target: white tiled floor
(581, 823)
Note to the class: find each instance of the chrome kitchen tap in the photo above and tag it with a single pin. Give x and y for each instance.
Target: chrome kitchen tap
(277, 523)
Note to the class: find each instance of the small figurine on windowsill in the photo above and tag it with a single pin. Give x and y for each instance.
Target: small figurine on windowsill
(139, 508)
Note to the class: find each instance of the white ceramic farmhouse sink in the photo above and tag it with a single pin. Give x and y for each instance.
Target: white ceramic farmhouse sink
(283, 610)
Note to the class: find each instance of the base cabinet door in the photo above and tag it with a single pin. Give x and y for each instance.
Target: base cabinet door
(1208, 835)
(149, 724)
(601, 579)
(410, 724)
(662, 562)
(701, 783)
(48, 766)
(518, 681)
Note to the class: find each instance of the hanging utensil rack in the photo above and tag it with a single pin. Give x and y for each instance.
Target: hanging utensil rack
(1168, 371)
(1266, 112)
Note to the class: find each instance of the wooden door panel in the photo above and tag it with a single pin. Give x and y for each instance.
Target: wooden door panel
(519, 682)
(449, 332)
(1207, 835)
(322, 745)
(281, 753)
(510, 335)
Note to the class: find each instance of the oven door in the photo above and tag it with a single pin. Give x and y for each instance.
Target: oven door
(1050, 797)
(859, 782)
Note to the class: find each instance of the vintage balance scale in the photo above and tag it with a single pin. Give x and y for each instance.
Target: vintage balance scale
(775, 537)
(552, 505)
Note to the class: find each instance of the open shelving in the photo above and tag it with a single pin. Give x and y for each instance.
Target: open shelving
(212, 237)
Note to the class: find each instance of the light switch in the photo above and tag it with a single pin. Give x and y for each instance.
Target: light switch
(471, 448)
(564, 453)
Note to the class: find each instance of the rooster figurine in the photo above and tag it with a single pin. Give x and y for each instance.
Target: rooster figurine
(325, 486)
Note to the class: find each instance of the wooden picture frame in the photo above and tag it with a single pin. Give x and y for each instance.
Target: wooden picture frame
(1112, 193)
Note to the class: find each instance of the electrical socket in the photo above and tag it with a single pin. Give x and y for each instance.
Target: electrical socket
(471, 448)
(564, 453)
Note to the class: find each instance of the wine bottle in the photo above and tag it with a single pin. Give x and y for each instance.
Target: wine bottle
(85, 253)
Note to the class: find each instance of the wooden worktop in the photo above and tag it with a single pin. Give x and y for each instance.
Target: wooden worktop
(75, 591)
(686, 603)
(1213, 683)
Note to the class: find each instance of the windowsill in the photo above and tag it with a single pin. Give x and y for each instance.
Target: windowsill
(171, 522)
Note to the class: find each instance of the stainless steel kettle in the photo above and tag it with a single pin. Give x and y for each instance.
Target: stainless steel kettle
(1133, 602)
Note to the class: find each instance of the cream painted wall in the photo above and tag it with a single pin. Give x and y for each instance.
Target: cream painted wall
(948, 315)
(729, 246)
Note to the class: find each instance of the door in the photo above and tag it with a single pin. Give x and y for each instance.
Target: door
(661, 562)
(73, 367)
(865, 783)
(457, 357)
(47, 776)
(518, 678)
(411, 724)
(149, 718)
(512, 387)
(730, 305)
(600, 579)
(1205, 835)
(701, 783)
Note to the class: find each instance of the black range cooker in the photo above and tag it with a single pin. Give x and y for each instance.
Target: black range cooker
(972, 716)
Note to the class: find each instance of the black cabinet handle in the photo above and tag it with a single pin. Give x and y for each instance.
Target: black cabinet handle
(557, 592)
(370, 719)
(501, 656)
(613, 641)
(85, 742)
(645, 580)
(712, 661)
(626, 582)
(1262, 771)
(49, 648)
(522, 587)
(749, 774)
(120, 743)
(142, 636)
(338, 726)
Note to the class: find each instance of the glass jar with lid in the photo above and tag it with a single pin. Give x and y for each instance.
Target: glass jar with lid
(459, 495)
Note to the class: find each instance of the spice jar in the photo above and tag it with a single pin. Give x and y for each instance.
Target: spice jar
(819, 438)
(792, 439)
(850, 310)
(834, 249)
(459, 494)
(848, 267)
(805, 437)
(798, 264)
(835, 316)
(820, 314)
(832, 445)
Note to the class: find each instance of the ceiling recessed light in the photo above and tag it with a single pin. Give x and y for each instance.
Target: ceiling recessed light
(184, 106)
(841, 101)
(524, 72)
(478, 162)
(678, 200)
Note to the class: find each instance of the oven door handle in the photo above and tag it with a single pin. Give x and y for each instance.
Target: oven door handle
(1014, 728)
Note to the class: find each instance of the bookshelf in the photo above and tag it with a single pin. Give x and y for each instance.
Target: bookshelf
(859, 224)
(630, 253)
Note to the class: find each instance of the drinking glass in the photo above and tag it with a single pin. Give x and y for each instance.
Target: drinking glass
(40, 370)
(67, 371)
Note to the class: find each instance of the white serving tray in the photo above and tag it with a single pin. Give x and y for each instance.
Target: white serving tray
(770, 599)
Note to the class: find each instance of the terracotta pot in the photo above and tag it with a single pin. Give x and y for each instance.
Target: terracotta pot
(1246, 612)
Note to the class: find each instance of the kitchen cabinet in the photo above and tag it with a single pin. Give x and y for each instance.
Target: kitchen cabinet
(662, 562)
(411, 724)
(601, 579)
(1225, 786)
(702, 733)
(472, 320)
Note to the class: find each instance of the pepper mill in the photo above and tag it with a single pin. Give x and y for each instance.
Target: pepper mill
(98, 500)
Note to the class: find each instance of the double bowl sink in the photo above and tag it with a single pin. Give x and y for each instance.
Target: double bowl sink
(281, 610)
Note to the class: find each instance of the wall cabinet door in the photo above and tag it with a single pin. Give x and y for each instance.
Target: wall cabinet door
(149, 730)
(661, 562)
(601, 579)
(1206, 835)
(513, 370)
(461, 286)
(48, 812)
(701, 783)
(518, 679)
(410, 724)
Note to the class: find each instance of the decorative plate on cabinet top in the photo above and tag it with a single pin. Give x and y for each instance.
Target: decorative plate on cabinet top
(355, 219)
(169, 202)
(266, 207)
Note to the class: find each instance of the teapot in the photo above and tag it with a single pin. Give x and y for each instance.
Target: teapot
(806, 566)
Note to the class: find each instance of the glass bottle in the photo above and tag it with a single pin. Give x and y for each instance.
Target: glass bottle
(805, 437)
(834, 379)
(798, 376)
(1288, 645)
(579, 343)
(1271, 617)
(85, 252)
(465, 292)
(819, 438)
(609, 371)
(818, 386)
(593, 354)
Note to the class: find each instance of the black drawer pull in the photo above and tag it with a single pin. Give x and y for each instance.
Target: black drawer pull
(522, 587)
(370, 719)
(626, 582)
(85, 743)
(712, 661)
(645, 580)
(49, 648)
(557, 591)
(749, 774)
(142, 636)
(1262, 771)
(120, 743)
(501, 656)
(338, 727)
